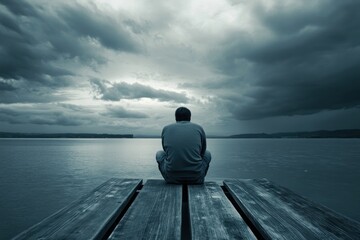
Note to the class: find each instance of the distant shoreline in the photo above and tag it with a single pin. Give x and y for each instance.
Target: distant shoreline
(343, 133)
(63, 135)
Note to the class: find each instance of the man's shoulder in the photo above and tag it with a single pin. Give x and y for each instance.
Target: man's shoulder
(168, 127)
(196, 125)
(172, 125)
(183, 124)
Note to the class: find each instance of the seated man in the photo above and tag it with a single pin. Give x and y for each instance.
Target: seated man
(185, 158)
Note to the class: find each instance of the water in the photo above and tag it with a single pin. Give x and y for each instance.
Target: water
(40, 176)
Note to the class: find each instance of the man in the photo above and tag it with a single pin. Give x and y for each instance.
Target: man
(185, 158)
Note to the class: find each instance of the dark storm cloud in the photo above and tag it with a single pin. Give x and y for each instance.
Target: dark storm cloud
(120, 112)
(6, 87)
(95, 24)
(21, 8)
(24, 92)
(117, 91)
(34, 38)
(73, 107)
(23, 54)
(303, 35)
(310, 64)
(38, 117)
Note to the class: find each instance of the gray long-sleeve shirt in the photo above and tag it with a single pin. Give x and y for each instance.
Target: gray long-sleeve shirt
(184, 143)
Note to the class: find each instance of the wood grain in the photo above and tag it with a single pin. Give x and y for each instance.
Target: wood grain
(278, 213)
(90, 217)
(213, 216)
(155, 213)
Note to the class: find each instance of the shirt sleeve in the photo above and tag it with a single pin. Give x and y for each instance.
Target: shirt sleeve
(203, 142)
(162, 139)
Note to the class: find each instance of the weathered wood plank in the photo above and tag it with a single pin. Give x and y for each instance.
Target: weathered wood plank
(212, 215)
(90, 217)
(279, 213)
(155, 213)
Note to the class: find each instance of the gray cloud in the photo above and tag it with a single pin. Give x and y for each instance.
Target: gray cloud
(73, 107)
(35, 39)
(48, 117)
(23, 92)
(302, 35)
(67, 115)
(96, 24)
(117, 91)
(120, 112)
(23, 54)
(21, 8)
(4, 86)
(310, 64)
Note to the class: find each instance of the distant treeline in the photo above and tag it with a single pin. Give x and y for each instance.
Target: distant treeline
(347, 133)
(63, 135)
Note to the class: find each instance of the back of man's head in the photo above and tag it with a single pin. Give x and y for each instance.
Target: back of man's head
(182, 114)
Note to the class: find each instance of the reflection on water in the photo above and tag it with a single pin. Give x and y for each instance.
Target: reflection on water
(38, 177)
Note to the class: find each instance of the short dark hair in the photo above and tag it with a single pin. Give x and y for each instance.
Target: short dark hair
(182, 114)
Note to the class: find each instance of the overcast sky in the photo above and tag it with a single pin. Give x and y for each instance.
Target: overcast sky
(125, 66)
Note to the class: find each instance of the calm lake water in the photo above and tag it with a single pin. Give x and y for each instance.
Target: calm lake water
(40, 176)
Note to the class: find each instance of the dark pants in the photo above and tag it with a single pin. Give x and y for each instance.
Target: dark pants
(185, 177)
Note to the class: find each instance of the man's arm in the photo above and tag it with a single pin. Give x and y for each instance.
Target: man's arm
(162, 139)
(203, 142)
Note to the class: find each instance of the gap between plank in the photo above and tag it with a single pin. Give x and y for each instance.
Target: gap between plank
(242, 214)
(127, 206)
(185, 214)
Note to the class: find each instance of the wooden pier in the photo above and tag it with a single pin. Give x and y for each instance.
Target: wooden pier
(236, 209)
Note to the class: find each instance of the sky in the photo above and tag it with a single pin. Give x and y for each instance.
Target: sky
(125, 66)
